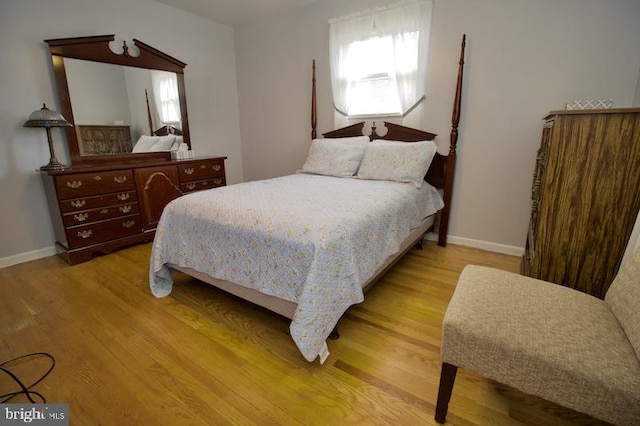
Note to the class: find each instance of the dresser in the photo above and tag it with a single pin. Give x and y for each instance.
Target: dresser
(585, 197)
(100, 209)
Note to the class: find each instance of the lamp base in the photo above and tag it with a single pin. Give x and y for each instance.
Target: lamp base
(54, 165)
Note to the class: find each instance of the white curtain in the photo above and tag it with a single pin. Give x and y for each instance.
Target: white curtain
(167, 99)
(407, 26)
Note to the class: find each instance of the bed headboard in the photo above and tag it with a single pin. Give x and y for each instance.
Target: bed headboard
(442, 170)
(167, 130)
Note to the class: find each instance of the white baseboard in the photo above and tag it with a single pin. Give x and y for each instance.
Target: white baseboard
(26, 257)
(484, 245)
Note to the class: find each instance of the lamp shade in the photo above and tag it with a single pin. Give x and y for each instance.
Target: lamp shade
(44, 117)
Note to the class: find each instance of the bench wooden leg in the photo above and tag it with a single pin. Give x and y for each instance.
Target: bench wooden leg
(447, 377)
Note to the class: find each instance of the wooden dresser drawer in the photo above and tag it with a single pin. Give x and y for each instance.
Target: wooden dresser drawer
(86, 203)
(202, 184)
(81, 184)
(98, 214)
(98, 232)
(201, 170)
(96, 209)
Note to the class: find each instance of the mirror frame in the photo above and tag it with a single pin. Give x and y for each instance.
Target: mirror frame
(96, 49)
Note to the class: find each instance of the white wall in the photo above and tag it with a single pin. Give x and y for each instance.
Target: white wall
(27, 81)
(524, 58)
(89, 81)
(137, 81)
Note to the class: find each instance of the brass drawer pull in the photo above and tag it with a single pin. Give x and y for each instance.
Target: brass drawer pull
(216, 167)
(97, 177)
(74, 184)
(189, 171)
(85, 233)
(128, 224)
(125, 209)
(191, 185)
(104, 211)
(81, 217)
(204, 166)
(120, 179)
(217, 181)
(124, 196)
(78, 203)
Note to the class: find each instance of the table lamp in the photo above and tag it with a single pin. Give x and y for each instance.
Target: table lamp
(47, 118)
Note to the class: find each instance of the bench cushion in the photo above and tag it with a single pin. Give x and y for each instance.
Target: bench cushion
(543, 339)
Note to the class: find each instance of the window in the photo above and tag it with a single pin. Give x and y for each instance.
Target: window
(372, 87)
(165, 90)
(378, 59)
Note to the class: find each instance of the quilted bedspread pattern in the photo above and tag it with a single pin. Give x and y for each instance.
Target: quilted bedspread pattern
(313, 240)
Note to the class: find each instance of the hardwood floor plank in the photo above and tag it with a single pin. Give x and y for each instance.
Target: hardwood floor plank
(202, 356)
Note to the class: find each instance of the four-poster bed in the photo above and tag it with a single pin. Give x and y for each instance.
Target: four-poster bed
(307, 246)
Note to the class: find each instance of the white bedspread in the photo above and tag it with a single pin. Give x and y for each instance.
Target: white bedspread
(313, 240)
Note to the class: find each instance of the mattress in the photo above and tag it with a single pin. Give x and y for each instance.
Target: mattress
(309, 239)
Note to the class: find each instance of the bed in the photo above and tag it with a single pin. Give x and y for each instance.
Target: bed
(166, 138)
(308, 245)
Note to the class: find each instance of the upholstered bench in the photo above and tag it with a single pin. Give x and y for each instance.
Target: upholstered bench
(547, 340)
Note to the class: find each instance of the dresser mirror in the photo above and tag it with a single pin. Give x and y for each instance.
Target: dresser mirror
(113, 95)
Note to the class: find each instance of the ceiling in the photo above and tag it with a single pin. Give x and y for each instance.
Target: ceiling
(233, 12)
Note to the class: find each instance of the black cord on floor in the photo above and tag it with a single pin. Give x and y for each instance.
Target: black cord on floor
(25, 390)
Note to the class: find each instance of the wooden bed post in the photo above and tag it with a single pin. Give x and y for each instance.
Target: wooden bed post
(314, 115)
(451, 158)
(442, 171)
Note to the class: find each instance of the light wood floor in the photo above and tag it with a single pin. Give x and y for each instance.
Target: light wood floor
(200, 356)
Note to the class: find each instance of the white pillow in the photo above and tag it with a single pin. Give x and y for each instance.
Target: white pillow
(164, 143)
(335, 157)
(145, 143)
(397, 161)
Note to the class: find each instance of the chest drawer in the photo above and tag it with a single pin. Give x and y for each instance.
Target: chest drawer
(202, 184)
(101, 213)
(98, 232)
(86, 203)
(81, 184)
(201, 170)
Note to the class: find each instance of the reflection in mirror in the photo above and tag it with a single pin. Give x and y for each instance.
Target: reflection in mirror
(113, 104)
(166, 98)
(116, 97)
